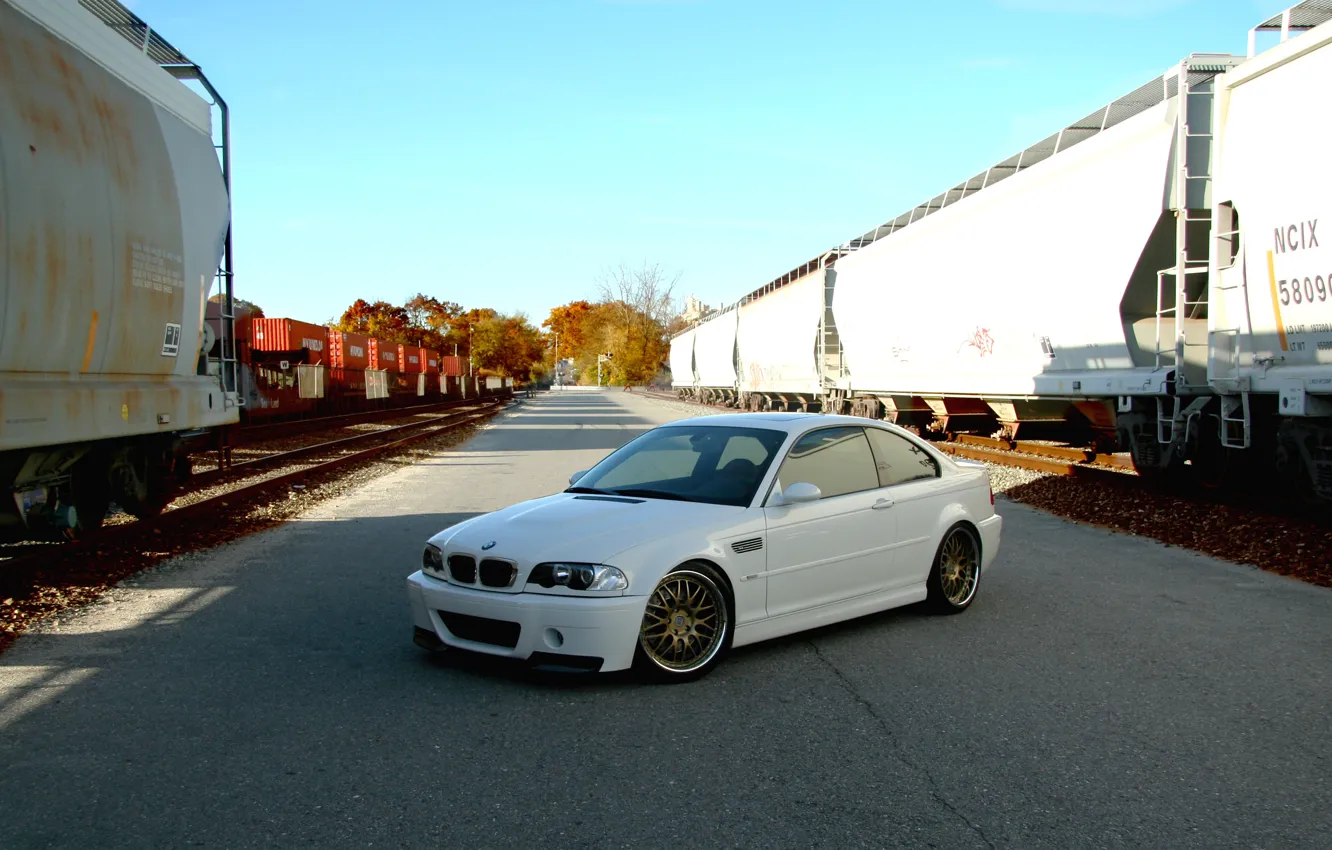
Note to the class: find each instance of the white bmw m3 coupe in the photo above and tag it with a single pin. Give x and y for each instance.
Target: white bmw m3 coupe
(710, 533)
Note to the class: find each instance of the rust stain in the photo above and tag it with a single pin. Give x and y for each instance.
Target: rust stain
(48, 127)
(55, 253)
(92, 339)
(25, 260)
(32, 60)
(71, 78)
(54, 266)
(6, 64)
(122, 155)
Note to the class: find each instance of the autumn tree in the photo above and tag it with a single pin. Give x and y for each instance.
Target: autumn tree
(507, 345)
(431, 320)
(568, 321)
(638, 308)
(240, 307)
(379, 319)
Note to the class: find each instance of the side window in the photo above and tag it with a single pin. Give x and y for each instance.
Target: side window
(899, 460)
(836, 460)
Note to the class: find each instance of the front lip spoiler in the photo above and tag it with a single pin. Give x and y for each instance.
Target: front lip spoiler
(547, 661)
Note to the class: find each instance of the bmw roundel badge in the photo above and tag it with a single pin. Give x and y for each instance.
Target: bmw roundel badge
(490, 545)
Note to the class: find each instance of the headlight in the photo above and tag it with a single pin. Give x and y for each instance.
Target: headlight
(578, 576)
(432, 558)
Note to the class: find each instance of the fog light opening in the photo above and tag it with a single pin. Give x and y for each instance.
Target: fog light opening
(554, 639)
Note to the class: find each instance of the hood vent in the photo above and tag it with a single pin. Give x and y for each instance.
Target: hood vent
(625, 499)
(753, 544)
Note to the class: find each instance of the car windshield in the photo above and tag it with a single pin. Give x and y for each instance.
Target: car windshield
(694, 463)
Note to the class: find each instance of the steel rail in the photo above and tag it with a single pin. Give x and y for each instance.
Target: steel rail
(209, 477)
(247, 435)
(173, 516)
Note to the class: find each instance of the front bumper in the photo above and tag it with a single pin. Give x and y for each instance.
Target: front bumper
(548, 627)
(989, 532)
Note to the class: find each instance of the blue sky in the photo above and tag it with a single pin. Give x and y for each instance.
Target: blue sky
(508, 153)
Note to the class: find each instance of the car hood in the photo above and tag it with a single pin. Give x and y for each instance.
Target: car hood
(574, 527)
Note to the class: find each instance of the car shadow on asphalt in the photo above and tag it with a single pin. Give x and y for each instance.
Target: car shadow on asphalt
(480, 667)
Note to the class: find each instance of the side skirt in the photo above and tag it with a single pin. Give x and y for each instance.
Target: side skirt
(833, 612)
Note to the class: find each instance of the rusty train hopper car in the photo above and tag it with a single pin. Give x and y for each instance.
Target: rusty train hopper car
(116, 215)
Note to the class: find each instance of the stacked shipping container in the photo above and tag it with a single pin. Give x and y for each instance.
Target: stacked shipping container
(289, 335)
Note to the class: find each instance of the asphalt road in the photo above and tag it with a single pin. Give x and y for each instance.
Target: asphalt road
(1103, 691)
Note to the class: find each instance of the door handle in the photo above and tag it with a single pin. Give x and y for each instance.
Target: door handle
(883, 503)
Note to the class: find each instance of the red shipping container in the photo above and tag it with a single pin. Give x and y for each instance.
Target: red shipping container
(348, 350)
(290, 335)
(411, 358)
(431, 359)
(453, 365)
(383, 355)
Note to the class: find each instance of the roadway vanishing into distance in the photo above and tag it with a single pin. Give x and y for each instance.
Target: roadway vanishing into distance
(1103, 691)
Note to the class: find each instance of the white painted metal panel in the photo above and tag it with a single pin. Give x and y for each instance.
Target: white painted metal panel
(777, 336)
(959, 303)
(1271, 319)
(714, 351)
(70, 22)
(682, 360)
(114, 215)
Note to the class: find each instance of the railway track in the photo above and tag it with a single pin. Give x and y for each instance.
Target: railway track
(258, 433)
(226, 488)
(209, 478)
(207, 451)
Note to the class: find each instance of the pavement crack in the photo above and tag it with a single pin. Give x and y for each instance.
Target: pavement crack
(898, 750)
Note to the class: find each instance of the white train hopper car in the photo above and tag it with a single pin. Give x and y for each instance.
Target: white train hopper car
(116, 220)
(1043, 289)
(714, 357)
(780, 340)
(1270, 320)
(683, 379)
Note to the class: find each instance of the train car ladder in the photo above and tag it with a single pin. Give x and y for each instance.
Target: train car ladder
(1192, 206)
(1235, 421)
(828, 349)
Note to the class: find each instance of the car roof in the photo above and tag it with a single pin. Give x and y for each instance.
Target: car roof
(776, 421)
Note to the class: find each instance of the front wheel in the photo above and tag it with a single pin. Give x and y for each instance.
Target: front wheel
(686, 629)
(955, 575)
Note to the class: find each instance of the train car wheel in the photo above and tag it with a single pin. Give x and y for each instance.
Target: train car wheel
(141, 481)
(90, 487)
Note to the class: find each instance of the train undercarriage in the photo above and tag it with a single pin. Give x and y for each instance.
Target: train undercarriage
(66, 491)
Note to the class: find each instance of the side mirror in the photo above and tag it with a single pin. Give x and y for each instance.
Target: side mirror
(573, 479)
(801, 492)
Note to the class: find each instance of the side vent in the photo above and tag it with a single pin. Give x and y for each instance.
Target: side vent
(740, 547)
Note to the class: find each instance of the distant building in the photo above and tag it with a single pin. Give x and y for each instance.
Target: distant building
(694, 309)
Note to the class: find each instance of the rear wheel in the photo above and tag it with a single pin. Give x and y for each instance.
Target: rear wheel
(955, 576)
(686, 628)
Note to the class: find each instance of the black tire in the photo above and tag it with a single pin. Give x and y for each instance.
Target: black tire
(671, 624)
(957, 560)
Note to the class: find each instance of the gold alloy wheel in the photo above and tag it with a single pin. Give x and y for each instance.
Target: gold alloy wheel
(685, 623)
(959, 567)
